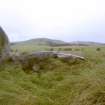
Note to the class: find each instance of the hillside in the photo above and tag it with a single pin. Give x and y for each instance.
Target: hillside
(42, 41)
(86, 43)
(52, 42)
(42, 44)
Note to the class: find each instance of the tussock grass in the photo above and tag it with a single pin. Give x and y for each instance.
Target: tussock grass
(65, 84)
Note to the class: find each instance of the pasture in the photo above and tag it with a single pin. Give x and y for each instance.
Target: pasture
(64, 84)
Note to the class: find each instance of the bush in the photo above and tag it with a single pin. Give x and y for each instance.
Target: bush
(59, 49)
(51, 49)
(68, 49)
(98, 49)
(77, 49)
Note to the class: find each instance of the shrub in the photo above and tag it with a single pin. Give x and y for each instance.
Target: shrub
(59, 49)
(51, 49)
(77, 49)
(68, 49)
(98, 49)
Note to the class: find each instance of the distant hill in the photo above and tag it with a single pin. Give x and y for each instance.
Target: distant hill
(42, 41)
(86, 43)
(52, 42)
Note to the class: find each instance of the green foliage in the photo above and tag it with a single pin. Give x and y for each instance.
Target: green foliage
(98, 49)
(64, 84)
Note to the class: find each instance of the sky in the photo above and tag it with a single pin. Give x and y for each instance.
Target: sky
(67, 20)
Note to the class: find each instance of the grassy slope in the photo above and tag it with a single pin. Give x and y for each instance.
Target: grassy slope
(29, 48)
(81, 84)
(44, 44)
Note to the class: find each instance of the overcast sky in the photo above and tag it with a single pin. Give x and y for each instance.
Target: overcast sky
(68, 20)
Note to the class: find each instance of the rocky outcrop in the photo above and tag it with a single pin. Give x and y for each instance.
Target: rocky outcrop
(69, 56)
(37, 60)
(4, 45)
(55, 54)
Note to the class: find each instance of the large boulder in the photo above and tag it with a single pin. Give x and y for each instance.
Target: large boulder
(38, 60)
(55, 54)
(4, 45)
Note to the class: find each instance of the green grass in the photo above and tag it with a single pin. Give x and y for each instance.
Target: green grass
(79, 84)
(29, 48)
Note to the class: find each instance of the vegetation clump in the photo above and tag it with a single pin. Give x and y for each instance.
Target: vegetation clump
(98, 49)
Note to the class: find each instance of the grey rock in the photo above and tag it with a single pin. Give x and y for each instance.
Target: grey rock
(36, 60)
(69, 56)
(55, 54)
(44, 54)
(4, 45)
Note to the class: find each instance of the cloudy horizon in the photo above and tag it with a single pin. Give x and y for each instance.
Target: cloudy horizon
(67, 20)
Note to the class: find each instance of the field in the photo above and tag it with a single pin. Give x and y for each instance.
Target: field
(65, 84)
